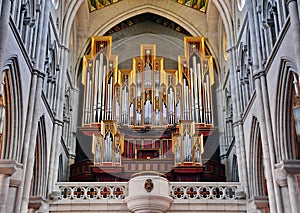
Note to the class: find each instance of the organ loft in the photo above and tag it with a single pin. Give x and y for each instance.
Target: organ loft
(147, 119)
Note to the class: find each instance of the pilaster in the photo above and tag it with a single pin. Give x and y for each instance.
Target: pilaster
(286, 176)
(7, 169)
(295, 26)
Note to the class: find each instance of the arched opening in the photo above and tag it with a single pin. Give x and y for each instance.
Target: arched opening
(10, 112)
(38, 183)
(287, 113)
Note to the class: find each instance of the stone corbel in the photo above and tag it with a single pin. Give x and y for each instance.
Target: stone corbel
(35, 203)
(289, 167)
(17, 178)
(261, 202)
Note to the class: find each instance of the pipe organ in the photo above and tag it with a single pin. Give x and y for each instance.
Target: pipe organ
(173, 106)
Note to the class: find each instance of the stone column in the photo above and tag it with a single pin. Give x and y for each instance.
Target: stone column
(31, 158)
(15, 181)
(289, 169)
(263, 112)
(237, 125)
(4, 20)
(7, 168)
(295, 26)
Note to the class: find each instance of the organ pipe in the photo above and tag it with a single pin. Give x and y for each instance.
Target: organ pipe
(156, 96)
(200, 92)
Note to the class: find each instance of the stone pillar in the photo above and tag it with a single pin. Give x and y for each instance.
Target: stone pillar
(237, 125)
(31, 158)
(286, 174)
(263, 111)
(295, 26)
(7, 168)
(4, 20)
(14, 184)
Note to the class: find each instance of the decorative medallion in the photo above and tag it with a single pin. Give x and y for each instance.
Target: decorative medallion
(148, 185)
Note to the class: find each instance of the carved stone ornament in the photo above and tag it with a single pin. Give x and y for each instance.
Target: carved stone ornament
(148, 185)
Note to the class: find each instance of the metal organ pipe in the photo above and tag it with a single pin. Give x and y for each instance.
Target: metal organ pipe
(200, 92)
(103, 93)
(186, 100)
(124, 105)
(171, 105)
(196, 87)
(139, 84)
(96, 79)
(192, 77)
(208, 107)
(100, 93)
(88, 97)
(109, 97)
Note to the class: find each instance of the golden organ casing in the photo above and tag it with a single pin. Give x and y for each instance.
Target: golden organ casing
(147, 113)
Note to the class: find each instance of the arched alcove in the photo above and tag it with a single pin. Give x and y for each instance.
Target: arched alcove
(11, 117)
(287, 146)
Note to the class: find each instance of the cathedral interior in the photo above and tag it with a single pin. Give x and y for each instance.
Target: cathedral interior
(150, 106)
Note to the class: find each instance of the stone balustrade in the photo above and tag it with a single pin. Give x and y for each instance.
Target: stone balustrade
(116, 197)
(92, 190)
(191, 190)
(119, 190)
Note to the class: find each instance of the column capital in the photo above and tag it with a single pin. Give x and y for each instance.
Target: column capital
(8, 167)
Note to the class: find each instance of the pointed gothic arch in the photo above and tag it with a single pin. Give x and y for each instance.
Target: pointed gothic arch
(257, 180)
(286, 142)
(11, 143)
(39, 178)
